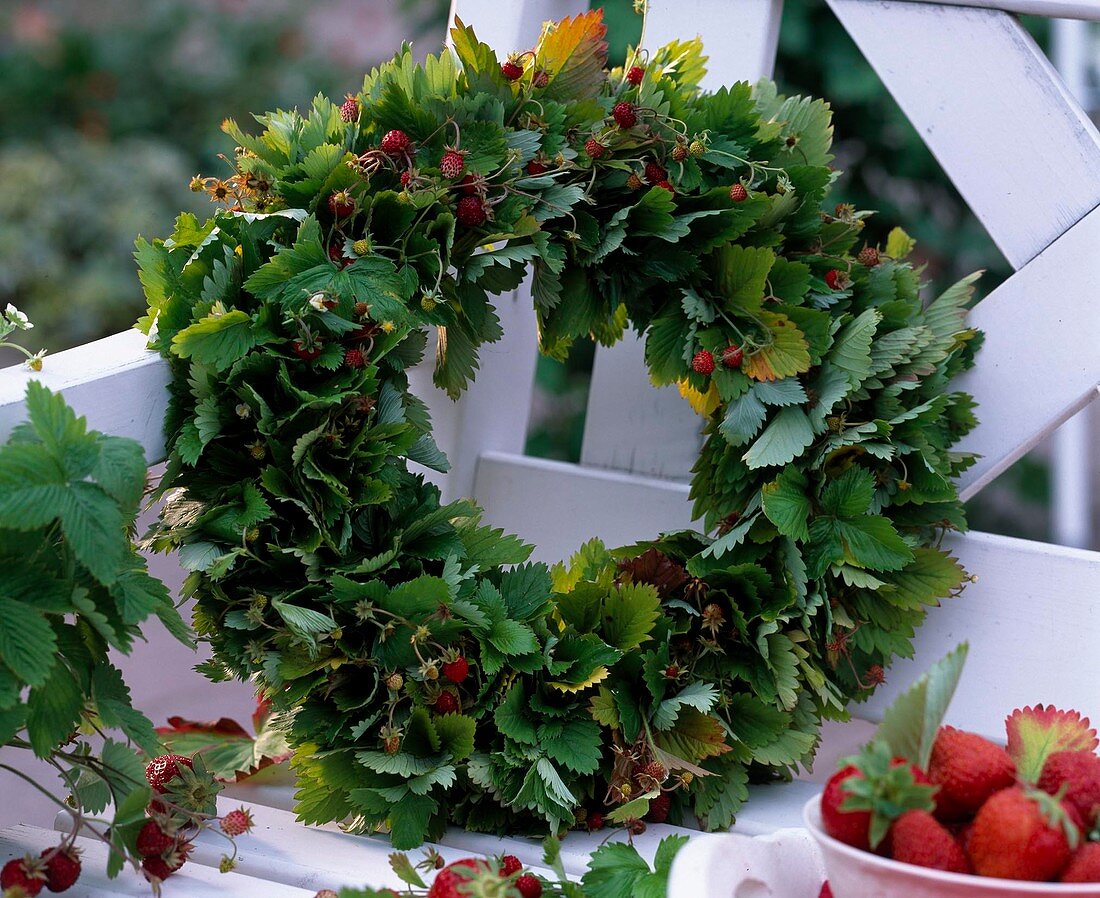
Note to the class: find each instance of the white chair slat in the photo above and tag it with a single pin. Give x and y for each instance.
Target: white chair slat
(115, 382)
(993, 110)
(194, 880)
(1041, 328)
(1054, 9)
(630, 426)
(1033, 624)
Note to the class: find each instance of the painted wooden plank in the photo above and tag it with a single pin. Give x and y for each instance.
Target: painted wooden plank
(193, 880)
(118, 384)
(1033, 624)
(629, 425)
(1061, 9)
(1041, 324)
(992, 109)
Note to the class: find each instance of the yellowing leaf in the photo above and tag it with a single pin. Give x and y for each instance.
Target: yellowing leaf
(899, 244)
(573, 53)
(696, 737)
(704, 404)
(787, 355)
(597, 676)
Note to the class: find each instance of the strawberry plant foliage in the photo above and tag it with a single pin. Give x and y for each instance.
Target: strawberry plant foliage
(330, 573)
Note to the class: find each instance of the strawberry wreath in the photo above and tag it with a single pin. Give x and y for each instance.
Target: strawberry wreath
(425, 671)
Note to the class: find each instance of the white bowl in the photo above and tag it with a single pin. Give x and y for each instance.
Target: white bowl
(860, 874)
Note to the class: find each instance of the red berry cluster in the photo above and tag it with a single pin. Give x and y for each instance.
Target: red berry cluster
(471, 876)
(56, 869)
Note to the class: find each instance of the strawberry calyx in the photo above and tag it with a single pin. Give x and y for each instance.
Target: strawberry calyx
(1057, 816)
(1035, 733)
(886, 787)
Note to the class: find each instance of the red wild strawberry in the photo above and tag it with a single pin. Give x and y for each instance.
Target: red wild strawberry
(635, 74)
(468, 185)
(349, 112)
(23, 873)
(62, 868)
(634, 182)
(659, 808)
(341, 204)
(396, 143)
(919, 838)
(159, 868)
(512, 69)
(1022, 834)
(537, 167)
(834, 278)
(655, 770)
(470, 212)
(406, 176)
(1079, 773)
(625, 115)
(237, 823)
(654, 173)
(868, 256)
(968, 769)
(680, 152)
(595, 821)
(453, 164)
(460, 879)
(529, 886)
(354, 358)
(510, 864)
(336, 253)
(456, 671)
(541, 79)
(152, 840)
(309, 354)
(738, 193)
(1084, 866)
(447, 703)
(160, 771)
(594, 148)
(703, 363)
(666, 185)
(732, 356)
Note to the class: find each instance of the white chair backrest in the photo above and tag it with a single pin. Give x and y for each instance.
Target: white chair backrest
(1027, 160)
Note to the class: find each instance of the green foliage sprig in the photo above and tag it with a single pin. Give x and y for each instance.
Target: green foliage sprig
(427, 674)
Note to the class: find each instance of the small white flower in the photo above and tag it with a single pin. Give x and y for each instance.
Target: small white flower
(317, 300)
(17, 318)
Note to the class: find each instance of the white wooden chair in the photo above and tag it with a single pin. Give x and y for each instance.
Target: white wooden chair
(1027, 160)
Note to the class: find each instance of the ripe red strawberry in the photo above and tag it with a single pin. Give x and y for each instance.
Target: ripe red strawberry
(594, 148)
(666, 185)
(833, 278)
(406, 176)
(396, 143)
(468, 185)
(159, 868)
(447, 703)
(160, 771)
(237, 823)
(456, 671)
(457, 880)
(1084, 866)
(968, 769)
(24, 873)
(868, 256)
(659, 808)
(738, 193)
(336, 253)
(510, 864)
(732, 356)
(453, 164)
(1021, 834)
(536, 167)
(541, 79)
(625, 115)
(703, 363)
(152, 840)
(349, 112)
(511, 69)
(635, 74)
(62, 868)
(302, 352)
(341, 204)
(919, 838)
(470, 212)
(654, 173)
(595, 821)
(1079, 773)
(893, 787)
(354, 358)
(529, 886)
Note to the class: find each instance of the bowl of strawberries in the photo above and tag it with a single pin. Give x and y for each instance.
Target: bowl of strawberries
(932, 811)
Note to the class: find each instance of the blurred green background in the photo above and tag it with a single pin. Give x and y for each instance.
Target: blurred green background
(107, 108)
